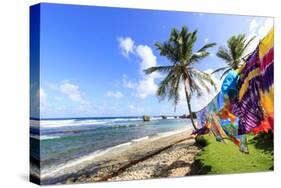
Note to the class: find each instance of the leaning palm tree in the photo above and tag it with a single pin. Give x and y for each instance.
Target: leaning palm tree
(179, 50)
(234, 55)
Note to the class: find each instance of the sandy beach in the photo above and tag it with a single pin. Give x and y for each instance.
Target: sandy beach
(165, 156)
(172, 162)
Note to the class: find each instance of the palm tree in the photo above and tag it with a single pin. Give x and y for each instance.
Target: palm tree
(179, 50)
(234, 54)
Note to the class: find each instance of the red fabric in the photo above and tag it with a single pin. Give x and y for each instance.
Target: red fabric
(267, 59)
(234, 140)
(265, 126)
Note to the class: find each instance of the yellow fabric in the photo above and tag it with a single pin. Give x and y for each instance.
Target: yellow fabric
(224, 113)
(208, 124)
(267, 101)
(241, 68)
(217, 127)
(267, 98)
(245, 84)
(266, 44)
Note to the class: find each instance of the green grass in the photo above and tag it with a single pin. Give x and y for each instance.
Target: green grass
(219, 158)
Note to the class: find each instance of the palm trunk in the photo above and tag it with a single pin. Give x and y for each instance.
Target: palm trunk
(189, 106)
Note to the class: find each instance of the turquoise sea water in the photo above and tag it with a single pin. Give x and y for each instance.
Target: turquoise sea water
(62, 140)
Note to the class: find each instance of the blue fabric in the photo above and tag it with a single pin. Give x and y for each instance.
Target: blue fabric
(229, 84)
(220, 101)
(214, 106)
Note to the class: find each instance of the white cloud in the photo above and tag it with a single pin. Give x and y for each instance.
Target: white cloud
(206, 40)
(127, 83)
(72, 91)
(148, 59)
(58, 98)
(52, 86)
(258, 27)
(116, 94)
(135, 109)
(146, 85)
(127, 46)
(131, 107)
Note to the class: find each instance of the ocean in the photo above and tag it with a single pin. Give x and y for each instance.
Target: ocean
(63, 140)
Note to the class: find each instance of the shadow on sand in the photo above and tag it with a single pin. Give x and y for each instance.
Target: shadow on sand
(198, 168)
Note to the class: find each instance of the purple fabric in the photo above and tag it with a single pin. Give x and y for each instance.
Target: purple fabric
(201, 131)
(248, 109)
(267, 78)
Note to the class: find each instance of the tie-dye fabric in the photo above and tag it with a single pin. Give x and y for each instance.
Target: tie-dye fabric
(246, 105)
(266, 55)
(254, 103)
(229, 84)
(216, 128)
(213, 107)
(207, 116)
(246, 101)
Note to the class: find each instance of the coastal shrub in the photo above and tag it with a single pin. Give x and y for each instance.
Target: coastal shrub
(201, 141)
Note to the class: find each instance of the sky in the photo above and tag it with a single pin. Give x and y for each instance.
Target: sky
(92, 58)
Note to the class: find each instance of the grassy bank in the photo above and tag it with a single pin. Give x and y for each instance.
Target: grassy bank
(220, 158)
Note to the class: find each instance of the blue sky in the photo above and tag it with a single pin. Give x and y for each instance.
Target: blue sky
(91, 58)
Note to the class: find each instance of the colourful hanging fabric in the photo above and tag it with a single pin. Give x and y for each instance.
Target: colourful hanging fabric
(204, 129)
(266, 55)
(229, 84)
(217, 129)
(225, 113)
(202, 116)
(207, 119)
(254, 104)
(231, 130)
(246, 106)
(214, 106)
(217, 118)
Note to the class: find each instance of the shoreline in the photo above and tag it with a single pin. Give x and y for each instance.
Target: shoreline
(173, 150)
(175, 161)
(101, 166)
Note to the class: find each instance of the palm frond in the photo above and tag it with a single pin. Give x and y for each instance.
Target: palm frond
(223, 53)
(206, 46)
(203, 76)
(174, 34)
(225, 72)
(167, 50)
(164, 86)
(163, 69)
(196, 57)
(219, 69)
